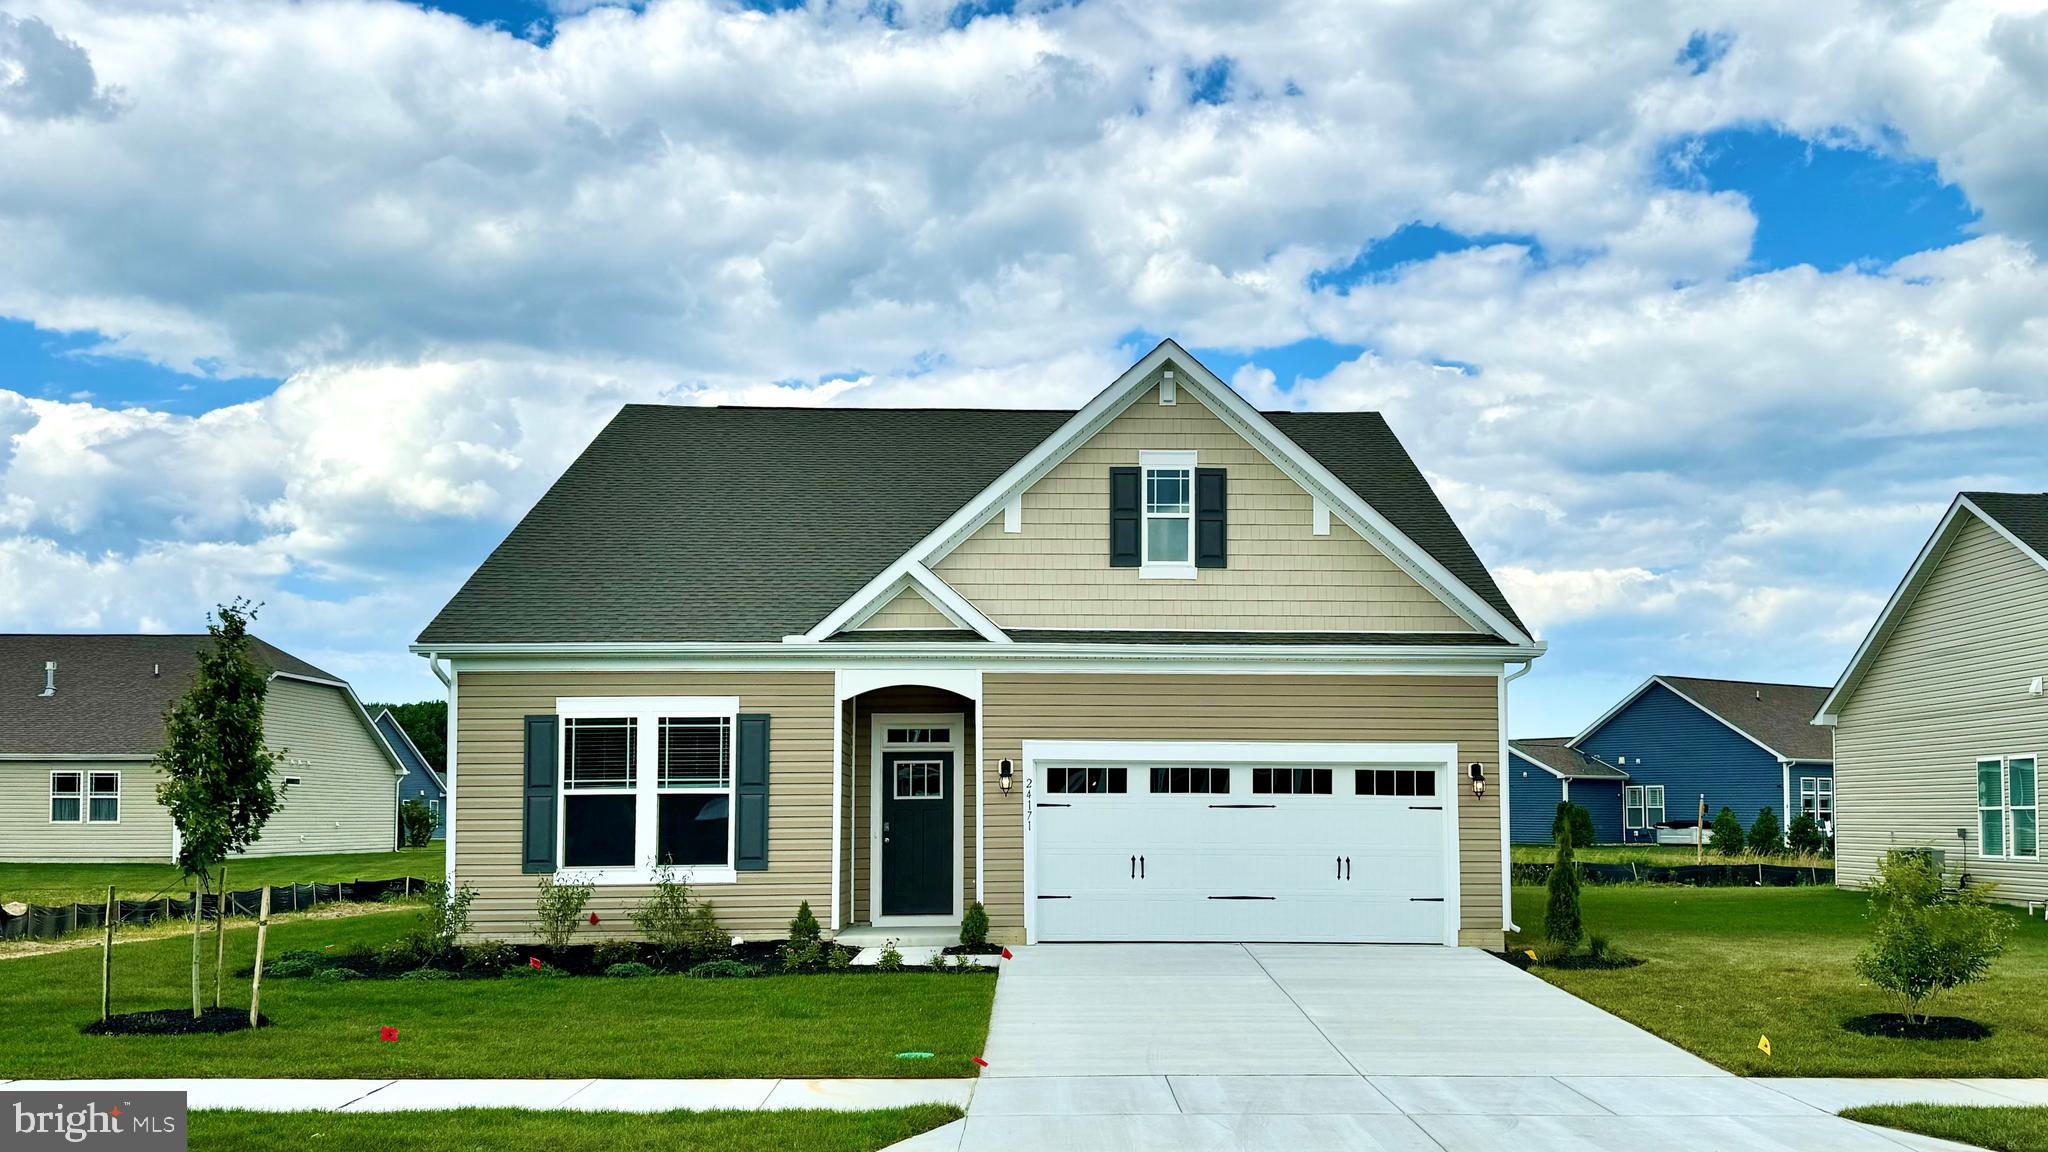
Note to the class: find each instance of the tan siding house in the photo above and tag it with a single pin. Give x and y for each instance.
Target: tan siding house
(1161, 668)
(1940, 717)
(83, 716)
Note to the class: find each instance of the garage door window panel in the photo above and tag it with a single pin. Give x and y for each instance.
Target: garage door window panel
(1191, 781)
(1395, 782)
(1087, 781)
(1292, 781)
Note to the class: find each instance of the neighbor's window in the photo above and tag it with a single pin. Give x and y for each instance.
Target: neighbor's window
(2006, 808)
(66, 790)
(1169, 537)
(1643, 805)
(600, 782)
(103, 798)
(1817, 799)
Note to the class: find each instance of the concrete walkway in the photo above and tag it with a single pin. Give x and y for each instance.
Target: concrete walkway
(575, 1095)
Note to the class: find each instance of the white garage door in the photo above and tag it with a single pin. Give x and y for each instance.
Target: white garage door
(1242, 852)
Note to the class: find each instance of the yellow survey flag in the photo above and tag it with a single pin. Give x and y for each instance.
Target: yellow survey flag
(1529, 952)
(1764, 1042)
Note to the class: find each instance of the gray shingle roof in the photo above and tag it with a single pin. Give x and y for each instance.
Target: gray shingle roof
(682, 524)
(1552, 751)
(110, 697)
(2024, 514)
(1778, 716)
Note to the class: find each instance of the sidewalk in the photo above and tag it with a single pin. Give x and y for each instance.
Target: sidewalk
(584, 1095)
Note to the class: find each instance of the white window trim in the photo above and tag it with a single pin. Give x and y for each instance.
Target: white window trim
(1160, 461)
(87, 813)
(51, 807)
(1662, 814)
(2005, 807)
(1824, 814)
(1632, 797)
(647, 712)
(879, 724)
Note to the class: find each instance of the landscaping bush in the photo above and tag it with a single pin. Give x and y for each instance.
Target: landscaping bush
(558, 911)
(531, 971)
(295, 963)
(1575, 819)
(664, 918)
(428, 974)
(803, 927)
(336, 975)
(722, 970)
(628, 970)
(1805, 835)
(410, 951)
(1561, 914)
(703, 938)
(1925, 941)
(838, 960)
(1765, 837)
(608, 954)
(890, 960)
(974, 926)
(416, 823)
(489, 956)
(1726, 838)
(446, 915)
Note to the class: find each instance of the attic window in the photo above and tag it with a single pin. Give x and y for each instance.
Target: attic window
(1169, 511)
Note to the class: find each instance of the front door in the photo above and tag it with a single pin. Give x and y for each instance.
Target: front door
(917, 834)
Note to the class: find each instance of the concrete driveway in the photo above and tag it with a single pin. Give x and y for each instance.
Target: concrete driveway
(1298, 1048)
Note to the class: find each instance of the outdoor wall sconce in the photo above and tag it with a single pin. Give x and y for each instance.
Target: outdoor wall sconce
(1003, 775)
(1477, 772)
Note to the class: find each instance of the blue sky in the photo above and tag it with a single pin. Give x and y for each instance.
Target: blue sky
(1695, 326)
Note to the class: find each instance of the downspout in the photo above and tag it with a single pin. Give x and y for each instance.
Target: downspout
(1507, 891)
(447, 678)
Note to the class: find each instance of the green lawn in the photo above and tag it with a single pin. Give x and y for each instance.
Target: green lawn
(87, 883)
(667, 1026)
(1728, 965)
(1999, 1129)
(498, 1129)
(1662, 855)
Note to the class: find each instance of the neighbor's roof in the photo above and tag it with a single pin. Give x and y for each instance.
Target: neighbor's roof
(1556, 753)
(1777, 716)
(401, 746)
(112, 691)
(686, 524)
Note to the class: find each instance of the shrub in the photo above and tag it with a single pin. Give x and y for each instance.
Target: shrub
(428, 974)
(608, 953)
(558, 911)
(803, 928)
(838, 959)
(336, 975)
(446, 915)
(416, 823)
(722, 970)
(296, 963)
(489, 956)
(803, 956)
(890, 960)
(1726, 838)
(529, 972)
(1923, 941)
(705, 940)
(410, 951)
(1573, 818)
(628, 970)
(1806, 836)
(664, 918)
(1765, 837)
(974, 925)
(1561, 914)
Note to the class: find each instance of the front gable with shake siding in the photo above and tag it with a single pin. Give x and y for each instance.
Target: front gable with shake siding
(1164, 667)
(1940, 718)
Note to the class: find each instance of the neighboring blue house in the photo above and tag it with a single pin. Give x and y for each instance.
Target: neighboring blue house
(1550, 770)
(421, 781)
(1735, 744)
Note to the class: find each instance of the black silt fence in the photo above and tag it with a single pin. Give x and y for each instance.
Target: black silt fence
(48, 921)
(1689, 875)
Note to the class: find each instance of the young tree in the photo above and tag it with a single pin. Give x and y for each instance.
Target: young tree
(416, 822)
(1805, 835)
(1924, 941)
(1561, 915)
(1765, 837)
(216, 770)
(1726, 837)
(1574, 819)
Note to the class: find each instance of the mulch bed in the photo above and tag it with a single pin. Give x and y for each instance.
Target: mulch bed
(1581, 963)
(1895, 1026)
(973, 950)
(174, 1022)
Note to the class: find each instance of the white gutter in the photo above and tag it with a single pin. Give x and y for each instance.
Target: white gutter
(447, 678)
(1507, 891)
(978, 652)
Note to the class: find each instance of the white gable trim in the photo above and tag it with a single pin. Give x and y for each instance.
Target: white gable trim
(905, 574)
(1243, 419)
(1916, 577)
(1532, 762)
(1668, 687)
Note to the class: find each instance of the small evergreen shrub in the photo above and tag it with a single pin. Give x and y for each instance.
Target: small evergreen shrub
(704, 938)
(1575, 819)
(722, 970)
(1805, 835)
(803, 928)
(1726, 838)
(1765, 837)
(628, 970)
(559, 910)
(489, 956)
(974, 926)
(607, 953)
(427, 974)
(1561, 924)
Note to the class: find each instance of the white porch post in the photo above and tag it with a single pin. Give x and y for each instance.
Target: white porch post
(838, 789)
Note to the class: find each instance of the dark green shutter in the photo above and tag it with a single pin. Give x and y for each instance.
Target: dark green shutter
(1212, 525)
(538, 812)
(1125, 491)
(750, 794)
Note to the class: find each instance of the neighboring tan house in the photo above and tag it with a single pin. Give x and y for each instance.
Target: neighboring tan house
(1548, 771)
(81, 718)
(1164, 668)
(1743, 745)
(1940, 716)
(421, 782)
